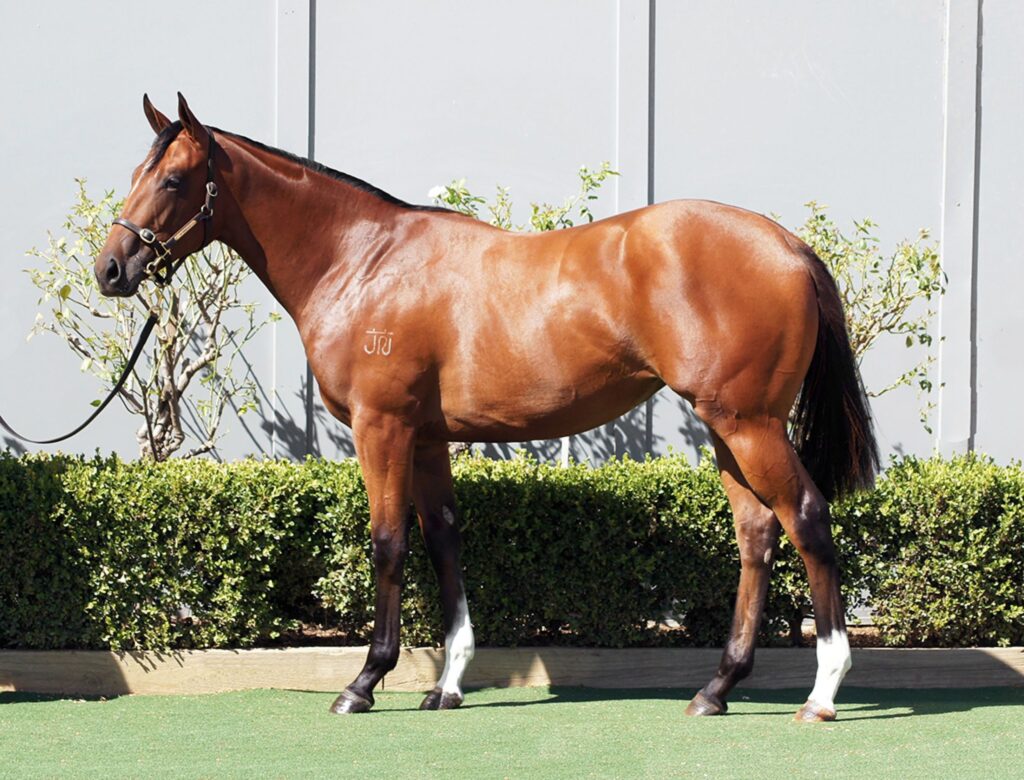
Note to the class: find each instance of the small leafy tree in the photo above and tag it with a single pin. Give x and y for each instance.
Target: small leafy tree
(884, 295)
(204, 325)
(543, 216)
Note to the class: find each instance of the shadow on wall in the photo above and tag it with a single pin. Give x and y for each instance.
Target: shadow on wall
(14, 445)
(290, 432)
(338, 435)
(637, 433)
(544, 450)
(693, 432)
(632, 435)
(626, 436)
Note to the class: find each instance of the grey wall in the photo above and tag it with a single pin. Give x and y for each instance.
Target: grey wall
(907, 111)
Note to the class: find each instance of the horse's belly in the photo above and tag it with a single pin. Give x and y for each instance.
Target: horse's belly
(542, 408)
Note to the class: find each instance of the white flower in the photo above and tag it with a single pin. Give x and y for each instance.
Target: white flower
(435, 193)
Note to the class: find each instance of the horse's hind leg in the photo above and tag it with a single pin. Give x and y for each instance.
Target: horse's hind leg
(434, 497)
(757, 531)
(773, 470)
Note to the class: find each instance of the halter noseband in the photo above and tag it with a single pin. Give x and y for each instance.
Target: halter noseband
(164, 248)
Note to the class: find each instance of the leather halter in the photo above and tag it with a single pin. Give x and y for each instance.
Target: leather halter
(164, 249)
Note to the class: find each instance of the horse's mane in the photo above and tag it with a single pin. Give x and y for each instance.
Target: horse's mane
(166, 136)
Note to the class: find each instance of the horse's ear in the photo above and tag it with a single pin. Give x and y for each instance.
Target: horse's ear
(156, 120)
(190, 124)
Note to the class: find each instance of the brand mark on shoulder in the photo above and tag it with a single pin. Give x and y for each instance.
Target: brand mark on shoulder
(378, 342)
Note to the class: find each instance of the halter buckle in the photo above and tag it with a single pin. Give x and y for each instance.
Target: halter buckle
(153, 271)
(147, 236)
(206, 210)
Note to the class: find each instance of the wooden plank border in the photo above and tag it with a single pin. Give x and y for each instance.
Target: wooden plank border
(100, 673)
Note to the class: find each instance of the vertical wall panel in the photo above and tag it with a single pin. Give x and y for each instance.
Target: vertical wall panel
(999, 307)
(295, 83)
(629, 434)
(956, 367)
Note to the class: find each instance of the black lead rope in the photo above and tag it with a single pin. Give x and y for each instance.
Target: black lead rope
(143, 337)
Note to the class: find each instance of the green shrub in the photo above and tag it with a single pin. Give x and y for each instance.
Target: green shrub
(947, 561)
(102, 553)
(99, 552)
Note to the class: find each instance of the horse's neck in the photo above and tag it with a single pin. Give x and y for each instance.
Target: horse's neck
(295, 226)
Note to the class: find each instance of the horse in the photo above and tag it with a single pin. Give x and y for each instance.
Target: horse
(424, 326)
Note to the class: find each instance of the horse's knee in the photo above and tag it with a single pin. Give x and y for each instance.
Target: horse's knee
(390, 548)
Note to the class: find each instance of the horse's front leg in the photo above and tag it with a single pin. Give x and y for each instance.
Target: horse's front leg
(385, 449)
(434, 496)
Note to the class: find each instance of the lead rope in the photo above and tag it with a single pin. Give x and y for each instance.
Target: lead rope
(143, 337)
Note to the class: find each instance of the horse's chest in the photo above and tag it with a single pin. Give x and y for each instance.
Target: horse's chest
(369, 368)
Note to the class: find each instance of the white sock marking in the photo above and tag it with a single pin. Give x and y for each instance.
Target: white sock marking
(833, 663)
(458, 650)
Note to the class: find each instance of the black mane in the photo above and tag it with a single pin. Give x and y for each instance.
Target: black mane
(166, 136)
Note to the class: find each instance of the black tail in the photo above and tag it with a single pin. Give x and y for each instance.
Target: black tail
(832, 428)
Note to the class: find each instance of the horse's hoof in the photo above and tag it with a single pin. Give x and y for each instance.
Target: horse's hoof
(349, 703)
(814, 713)
(703, 704)
(439, 700)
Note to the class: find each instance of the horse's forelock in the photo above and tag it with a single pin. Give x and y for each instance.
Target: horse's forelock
(162, 141)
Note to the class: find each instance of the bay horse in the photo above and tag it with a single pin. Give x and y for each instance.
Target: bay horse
(424, 326)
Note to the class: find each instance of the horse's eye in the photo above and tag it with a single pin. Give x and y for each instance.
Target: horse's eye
(172, 183)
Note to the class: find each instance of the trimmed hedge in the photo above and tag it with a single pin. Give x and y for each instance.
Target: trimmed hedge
(102, 553)
(946, 564)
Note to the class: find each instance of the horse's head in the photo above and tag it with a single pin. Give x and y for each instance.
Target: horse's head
(166, 214)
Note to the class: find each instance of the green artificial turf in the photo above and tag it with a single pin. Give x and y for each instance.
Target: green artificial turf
(517, 732)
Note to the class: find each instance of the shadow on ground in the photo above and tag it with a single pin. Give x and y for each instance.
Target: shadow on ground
(853, 703)
(22, 697)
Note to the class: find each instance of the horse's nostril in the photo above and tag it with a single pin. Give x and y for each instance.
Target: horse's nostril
(113, 271)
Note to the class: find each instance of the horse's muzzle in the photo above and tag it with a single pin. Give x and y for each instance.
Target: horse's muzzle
(114, 278)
